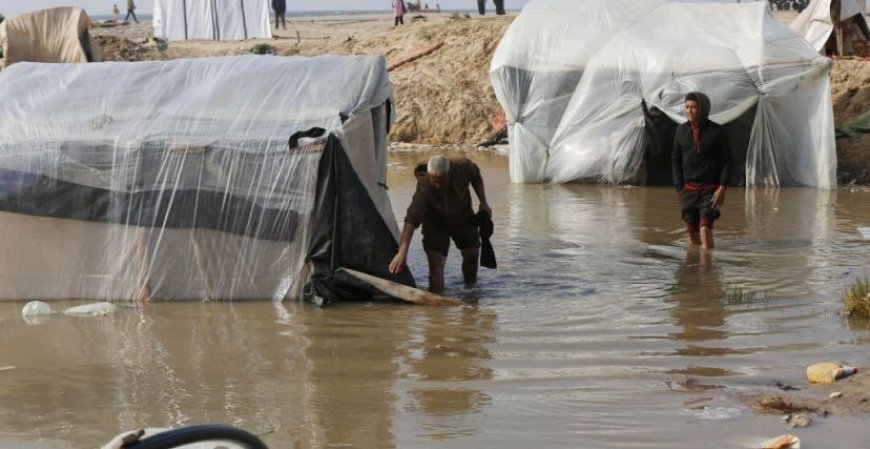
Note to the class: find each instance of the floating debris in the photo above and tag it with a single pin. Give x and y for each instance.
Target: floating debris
(35, 313)
(96, 309)
(785, 387)
(35, 308)
(782, 442)
(797, 420)
(826, 373)
(776, 404)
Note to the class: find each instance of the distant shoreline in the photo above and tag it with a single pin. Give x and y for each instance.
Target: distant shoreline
(316, 13)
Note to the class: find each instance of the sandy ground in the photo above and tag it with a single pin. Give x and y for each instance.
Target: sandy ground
(446, 97)
(815, 398)
(850, 89)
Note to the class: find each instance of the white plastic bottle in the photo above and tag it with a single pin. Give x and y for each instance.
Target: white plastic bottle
(826, 373)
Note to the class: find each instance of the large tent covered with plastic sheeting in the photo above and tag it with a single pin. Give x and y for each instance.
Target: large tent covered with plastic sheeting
(48, 35)
(217, 20)
(816, 22)
(248, 177)
(594, 89)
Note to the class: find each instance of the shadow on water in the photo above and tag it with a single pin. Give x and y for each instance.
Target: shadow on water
(697, 300)
(447, 361)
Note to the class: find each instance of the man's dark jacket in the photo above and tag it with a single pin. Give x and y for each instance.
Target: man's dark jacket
(705, 166)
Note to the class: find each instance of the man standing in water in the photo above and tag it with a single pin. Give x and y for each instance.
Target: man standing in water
(701, 164)
(442, 204)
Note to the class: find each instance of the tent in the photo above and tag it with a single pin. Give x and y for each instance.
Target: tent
(248, 177)
(48, 35)
(816, 23)
(593, 91)
(218, 20)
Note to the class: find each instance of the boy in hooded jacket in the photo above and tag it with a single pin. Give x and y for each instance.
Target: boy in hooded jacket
(701, 164)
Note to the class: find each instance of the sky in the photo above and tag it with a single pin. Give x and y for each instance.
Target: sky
(104, 7)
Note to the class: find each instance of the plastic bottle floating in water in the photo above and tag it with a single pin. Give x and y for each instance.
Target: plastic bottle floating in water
(825, 373)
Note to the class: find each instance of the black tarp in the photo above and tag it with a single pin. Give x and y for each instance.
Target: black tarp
(30, 194)
(348, 233)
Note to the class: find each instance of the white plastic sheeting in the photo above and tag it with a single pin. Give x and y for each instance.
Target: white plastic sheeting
(174, 180)
(219, 20)
(571, 75)
(815, 23)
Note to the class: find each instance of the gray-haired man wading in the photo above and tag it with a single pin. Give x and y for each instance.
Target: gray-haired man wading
(442, 204)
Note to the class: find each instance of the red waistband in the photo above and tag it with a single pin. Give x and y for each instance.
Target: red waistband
(699, 187)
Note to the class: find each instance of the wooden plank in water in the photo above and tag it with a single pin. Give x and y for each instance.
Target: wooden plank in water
(403, 292)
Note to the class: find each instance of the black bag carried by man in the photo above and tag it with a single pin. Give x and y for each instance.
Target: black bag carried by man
(487, 255)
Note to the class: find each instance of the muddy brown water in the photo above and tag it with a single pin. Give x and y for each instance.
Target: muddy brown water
(599, 329)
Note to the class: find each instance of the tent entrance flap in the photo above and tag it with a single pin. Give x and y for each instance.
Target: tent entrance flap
(348, 232)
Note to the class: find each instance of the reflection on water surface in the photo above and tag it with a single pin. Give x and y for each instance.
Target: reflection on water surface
(600, 329)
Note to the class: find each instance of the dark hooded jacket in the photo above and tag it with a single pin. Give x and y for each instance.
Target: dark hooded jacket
(279, 6)
(706, 164)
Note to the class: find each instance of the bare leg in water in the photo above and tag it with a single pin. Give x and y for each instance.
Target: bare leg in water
(436, 271)
(470, 257)
(707, 237)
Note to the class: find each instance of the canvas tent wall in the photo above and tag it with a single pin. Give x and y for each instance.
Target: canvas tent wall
(219, 20)
(575, 76)
(816, 22)
(193, 179)
(48, 35)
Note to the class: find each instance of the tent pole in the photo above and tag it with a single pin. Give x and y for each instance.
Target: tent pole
(244, 19)
(184, 9)
(215, 27)
(332, 266)
(144, 271)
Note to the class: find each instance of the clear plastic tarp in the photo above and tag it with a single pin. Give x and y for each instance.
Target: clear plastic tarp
(575, 76)
(815, 23)
(218, 20)
(180, 179)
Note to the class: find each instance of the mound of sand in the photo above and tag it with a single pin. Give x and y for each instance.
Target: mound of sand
(850, 89)
(114, 48)
(442, 97)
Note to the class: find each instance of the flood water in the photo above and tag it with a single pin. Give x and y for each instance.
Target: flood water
(598, 330)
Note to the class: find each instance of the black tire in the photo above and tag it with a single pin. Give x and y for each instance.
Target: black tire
(195, 434)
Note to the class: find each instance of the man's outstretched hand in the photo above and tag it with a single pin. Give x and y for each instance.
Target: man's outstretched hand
(398, 263)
